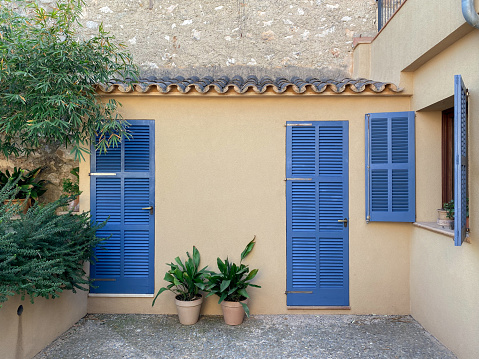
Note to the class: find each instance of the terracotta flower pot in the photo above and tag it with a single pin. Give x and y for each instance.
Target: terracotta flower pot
(24, 203)
(442, 219)
(233, 312)
(74, 205)
(189, 311)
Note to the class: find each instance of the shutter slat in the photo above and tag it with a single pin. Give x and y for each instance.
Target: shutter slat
(137, 149)
(108, 261)
(304, 263)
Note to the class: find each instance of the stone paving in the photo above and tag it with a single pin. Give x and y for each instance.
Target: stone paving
(261, 336)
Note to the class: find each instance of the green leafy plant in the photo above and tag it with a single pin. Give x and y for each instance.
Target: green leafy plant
(26, 182)
(43, 254)
(231, 282)
(450, 210)
(48, 78)
(70, 187)
(186, 279)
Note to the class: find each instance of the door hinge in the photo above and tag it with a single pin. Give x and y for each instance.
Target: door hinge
(298, 292)
(101, 174)
(298, 124)
(104, 279)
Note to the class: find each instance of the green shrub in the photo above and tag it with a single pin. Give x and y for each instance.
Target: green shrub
(42, 254)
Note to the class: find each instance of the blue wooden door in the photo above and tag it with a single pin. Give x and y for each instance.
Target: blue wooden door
(317, 214)
(122, 189)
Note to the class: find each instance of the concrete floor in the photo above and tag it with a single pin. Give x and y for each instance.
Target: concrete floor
(262, 336)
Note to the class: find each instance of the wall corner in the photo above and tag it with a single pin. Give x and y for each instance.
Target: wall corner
(361, 65)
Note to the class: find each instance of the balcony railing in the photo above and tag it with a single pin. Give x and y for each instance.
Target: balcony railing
(386, 9)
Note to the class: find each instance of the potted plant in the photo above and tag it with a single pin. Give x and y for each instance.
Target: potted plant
(230, 285)
(28, 187)
(186, 280)
(72, 188)
(446, 214)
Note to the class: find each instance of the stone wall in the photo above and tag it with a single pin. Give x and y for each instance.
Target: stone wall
(236, 37)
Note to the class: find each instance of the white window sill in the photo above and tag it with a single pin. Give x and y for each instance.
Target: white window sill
(434, 227)
(104, 295)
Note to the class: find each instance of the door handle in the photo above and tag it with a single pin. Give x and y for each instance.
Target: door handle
(150, 208)
(345, 221)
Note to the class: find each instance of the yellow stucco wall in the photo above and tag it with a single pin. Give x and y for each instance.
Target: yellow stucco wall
(220, 169)
(40, 323)
(430, 44)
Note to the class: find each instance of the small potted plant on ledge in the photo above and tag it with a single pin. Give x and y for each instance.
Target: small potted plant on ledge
(186, 280)
(446, 214)
(449, 208)
(230, 285)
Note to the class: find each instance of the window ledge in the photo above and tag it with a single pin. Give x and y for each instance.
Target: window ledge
(105, 295)
(434, 227)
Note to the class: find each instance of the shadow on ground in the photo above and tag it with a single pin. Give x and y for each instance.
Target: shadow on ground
(261, 336)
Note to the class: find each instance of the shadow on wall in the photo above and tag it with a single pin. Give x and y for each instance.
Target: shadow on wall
(245, 71)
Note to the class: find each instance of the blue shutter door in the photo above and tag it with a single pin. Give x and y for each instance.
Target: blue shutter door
(122, 184)
(390, 167)
(317, 197)
(460, 160)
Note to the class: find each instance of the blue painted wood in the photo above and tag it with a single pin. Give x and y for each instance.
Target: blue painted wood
(125, 261)
(317, 197)
(460, 160)
(390, 167)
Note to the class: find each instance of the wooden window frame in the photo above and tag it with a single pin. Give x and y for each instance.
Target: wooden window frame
(447, 146)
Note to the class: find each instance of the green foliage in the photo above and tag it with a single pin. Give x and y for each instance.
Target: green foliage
(450, 210)
(231, 282)
(42, 254)
(48, 77)
(26, 181)
(70, 187)
(185, 279)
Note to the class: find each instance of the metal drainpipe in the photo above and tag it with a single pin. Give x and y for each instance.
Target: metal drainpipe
(469, 13)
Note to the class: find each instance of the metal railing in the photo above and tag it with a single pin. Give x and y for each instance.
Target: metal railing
(386, 9)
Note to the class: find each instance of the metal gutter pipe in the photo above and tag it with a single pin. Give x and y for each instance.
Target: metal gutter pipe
(469, 13)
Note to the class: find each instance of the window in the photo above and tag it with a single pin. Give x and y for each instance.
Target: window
(390, 167)
(447, 155)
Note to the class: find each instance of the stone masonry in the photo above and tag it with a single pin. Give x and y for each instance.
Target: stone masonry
(220, 37)
(236, 37)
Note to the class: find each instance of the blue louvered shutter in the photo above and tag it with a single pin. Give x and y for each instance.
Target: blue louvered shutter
(460, 160)
(317, 197)
(390, 167)
(122, 185)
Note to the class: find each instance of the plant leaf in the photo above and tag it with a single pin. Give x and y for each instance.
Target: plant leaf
(246, 309)
(251, 274)
(248, 249)
(196, 257)
(224, 285)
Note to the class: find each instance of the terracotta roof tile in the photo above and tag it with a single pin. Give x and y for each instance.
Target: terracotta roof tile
(240, 85)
